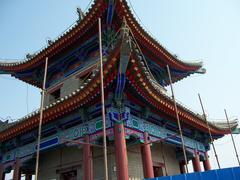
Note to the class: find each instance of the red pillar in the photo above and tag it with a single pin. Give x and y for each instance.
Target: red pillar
(2, 174)
(28, 177)
(121, 152)
(196, 163)
(182, 167)
(206, 163)
(17, 170)
(147, 157)
(87, 159)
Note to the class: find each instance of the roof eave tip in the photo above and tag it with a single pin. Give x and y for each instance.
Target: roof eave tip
(201, 71)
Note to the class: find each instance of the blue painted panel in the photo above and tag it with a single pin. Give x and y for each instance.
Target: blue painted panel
(49, 143)
(221, 174)
(110, 12)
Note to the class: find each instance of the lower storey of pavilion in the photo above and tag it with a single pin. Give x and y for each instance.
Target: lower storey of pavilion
(127, 159)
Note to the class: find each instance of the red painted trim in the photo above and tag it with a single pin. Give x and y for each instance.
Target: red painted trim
(147, 157)
(206, 163)
(121, 152)
(17, 170)
(87, 159)
(196, 163)
(2, 174)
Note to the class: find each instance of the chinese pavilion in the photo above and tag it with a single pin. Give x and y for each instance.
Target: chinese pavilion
(142, 132)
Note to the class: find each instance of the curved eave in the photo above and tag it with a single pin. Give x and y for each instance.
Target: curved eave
(73, 34)
(61, 43)
(179, 78)
(224, 125)
(76, 99)
(23, 80)
(144, 38)
(157, 98)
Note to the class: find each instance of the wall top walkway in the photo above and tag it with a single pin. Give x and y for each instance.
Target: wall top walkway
(222, 174)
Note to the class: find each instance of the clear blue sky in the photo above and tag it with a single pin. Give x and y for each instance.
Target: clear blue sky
(200, 29)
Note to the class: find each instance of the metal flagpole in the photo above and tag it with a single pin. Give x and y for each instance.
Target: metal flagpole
(210, 134)
(234, 145)
(103, 103)
(178, 120)
(40, 119)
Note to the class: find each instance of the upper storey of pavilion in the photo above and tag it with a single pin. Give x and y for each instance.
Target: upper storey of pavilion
(112, 12)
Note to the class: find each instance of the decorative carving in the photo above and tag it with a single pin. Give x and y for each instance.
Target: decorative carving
(80, 14)
(118, 115)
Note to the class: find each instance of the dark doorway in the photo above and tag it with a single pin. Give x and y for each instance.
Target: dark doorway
(70, 175)
(158, 171)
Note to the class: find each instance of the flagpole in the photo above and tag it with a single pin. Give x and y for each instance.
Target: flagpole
(178, 120)
(103, 103)
(209, 132)
(40, 119)
(233, 141)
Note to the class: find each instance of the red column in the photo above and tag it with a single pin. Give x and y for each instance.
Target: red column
(206, 163)
(196, 163)
(28, 177)
(17, 170)
(2, 174)
(121, 152)
(182, 167)
(87, 159)
(147, 157)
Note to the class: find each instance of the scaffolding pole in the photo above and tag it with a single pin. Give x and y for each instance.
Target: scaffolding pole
(178, 120)
(163, 158)
(233, 141)
(209, 131)
(40, 119)
(103, 103)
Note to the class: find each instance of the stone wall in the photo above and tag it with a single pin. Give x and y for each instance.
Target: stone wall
(69, 85)
(57, 161)
(172, 164)
(52, 163)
